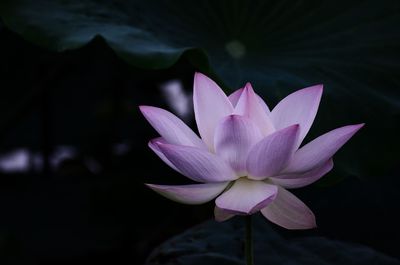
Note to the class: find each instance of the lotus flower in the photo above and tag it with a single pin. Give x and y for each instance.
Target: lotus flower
(247, 156)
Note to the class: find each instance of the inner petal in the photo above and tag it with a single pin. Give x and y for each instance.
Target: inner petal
(250, 105)
(234, 137)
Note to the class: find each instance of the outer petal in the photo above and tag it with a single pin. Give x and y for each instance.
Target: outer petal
(222, 215)
(153, 146)
(246, 196)
(170, 127)
(300, 180)
(190, 194)
(289, 212)
(318, 151)
(249, 106)
(197, 164)
(210, 106)
(300, 108)
(234, 137)
(269, 156)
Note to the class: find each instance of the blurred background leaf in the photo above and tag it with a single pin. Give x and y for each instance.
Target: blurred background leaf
(222, 243)
(353, 48)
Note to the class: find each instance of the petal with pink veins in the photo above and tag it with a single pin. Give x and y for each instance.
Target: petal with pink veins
(246, 196)
(289, 212)
(190, 194)
(249, 106)
(198, 164)
(170, 127)
(234, 137)
(269, 156)
(210, 106)
(153, 146)
(318, 151)
(300, 108)
(292, 181)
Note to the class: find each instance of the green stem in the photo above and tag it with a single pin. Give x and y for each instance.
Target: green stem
(248, 244)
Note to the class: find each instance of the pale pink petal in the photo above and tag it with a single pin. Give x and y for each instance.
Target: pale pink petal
(170, 127)
(289, 212)
(321, 149)
(300, 108)
(292, 181)
(249, 106)
(234, 137)
(153, 146)
(197, 164)
(246, 196)
(190, 194)
(234, 97)
(222, 215)
(269, 156)
(210, 106)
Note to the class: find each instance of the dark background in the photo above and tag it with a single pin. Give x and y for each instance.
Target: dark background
(92, 206)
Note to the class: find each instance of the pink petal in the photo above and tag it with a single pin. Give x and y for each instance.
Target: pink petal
(210, 106)
(234, 97)
(170, 127)
(318, 151)
(300, 180)
(234, 137)
(222, 215)
(197, 164)
(153, 146)
(249, 106)
(269, 156)
(300, 108)
(190, 194)
(246, 196)
(289, 212)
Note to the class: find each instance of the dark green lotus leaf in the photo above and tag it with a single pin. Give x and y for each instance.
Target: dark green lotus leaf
(222, 243)
(352, 47)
